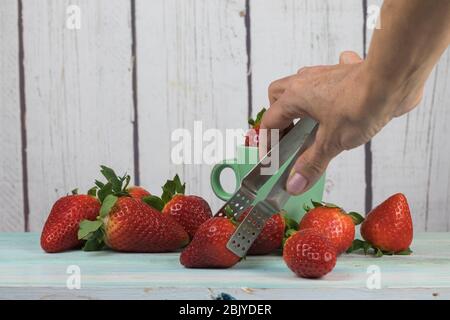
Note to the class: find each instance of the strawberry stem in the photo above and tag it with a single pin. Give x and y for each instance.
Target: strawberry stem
(170, 189)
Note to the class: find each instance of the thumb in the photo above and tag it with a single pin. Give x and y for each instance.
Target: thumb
(349, 57)
(308, 168)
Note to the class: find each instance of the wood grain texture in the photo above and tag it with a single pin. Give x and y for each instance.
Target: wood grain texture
(11, 197)
(32, 293)
(191, 62)
(411, 155)
(79, 99)
(26, 271)
(287, 35)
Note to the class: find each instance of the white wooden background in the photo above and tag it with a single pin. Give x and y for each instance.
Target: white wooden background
(113, 91)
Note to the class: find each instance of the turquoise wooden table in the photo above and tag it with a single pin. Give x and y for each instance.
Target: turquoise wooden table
(26, 272)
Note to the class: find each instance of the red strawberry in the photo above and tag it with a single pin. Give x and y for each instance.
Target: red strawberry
(333, 223)
(309, 254)
(128, 224)
(208, 248)
(133, 226)
(271, 236)
(252, 135)
(189, 211)
(137, 192)
(388, 228)
(60, 229)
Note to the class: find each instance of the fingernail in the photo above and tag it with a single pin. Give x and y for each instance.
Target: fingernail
(296, 183)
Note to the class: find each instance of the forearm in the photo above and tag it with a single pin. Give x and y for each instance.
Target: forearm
(412, 37)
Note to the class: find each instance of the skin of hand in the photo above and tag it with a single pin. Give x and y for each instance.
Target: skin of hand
(355, 99)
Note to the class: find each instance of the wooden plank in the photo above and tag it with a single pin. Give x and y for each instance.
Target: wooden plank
(410, 154)
(11, 197)
(79, 97)
(287, 35)
(191, 67)
(212, 293)
(106, 273)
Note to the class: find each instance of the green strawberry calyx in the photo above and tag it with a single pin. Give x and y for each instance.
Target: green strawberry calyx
(257, 122)
(369, 248)
(356, 217)
(170, 189)
(93, 232)
(290, 227)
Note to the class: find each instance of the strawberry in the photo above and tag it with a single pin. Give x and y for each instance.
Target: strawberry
(252, 135)
(388, 228)
(333, 223)
(188, 210)
(309, 254)
(208, 248)
(271, 236)
(137, 192)
(60, 229)
(128, 224)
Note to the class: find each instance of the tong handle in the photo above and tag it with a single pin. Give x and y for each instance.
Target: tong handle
(278, 195)
(288, 145)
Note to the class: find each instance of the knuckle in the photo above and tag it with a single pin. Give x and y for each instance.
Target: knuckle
(303, 70)
(272, 86)
(315, 166)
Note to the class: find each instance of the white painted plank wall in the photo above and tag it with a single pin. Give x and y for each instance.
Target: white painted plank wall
(191, 60)
(287, 35)
(411, 154)
(11, 212)
(78, 95)
(191, 65)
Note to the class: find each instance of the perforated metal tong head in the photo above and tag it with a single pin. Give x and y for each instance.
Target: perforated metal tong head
(293, 144)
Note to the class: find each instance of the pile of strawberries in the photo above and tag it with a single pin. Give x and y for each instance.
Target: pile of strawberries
(129, 219)
(326, 231)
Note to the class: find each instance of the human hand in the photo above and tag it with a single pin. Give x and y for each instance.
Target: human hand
(350, 105)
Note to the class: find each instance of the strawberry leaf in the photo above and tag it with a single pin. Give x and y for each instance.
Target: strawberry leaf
(230, 215)
(330, 205)
(92, 192)
(88, 227)
(95, 242)
(154, 202)
(99, 184)
(290, 223)
(179, 187)
(306, 207)
(105, 191)
(378, 252)
(259, 116)
(112, 178)
(251, 122)
(171, 188)
(127, 179)
(356, 217)
(366, 247)
(357, 244)
(107, 205)
(406, 252)
(74, 191)
(316, 204)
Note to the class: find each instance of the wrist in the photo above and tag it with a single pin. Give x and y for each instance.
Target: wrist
(392, 94)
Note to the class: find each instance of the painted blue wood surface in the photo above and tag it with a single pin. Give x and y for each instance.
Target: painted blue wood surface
(27, 272)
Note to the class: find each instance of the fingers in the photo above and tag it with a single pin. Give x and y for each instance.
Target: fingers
(309, 167)
(349, 57)
(277, 88)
